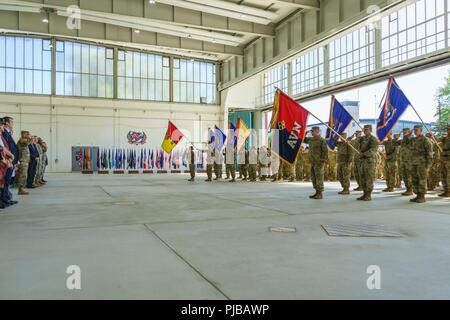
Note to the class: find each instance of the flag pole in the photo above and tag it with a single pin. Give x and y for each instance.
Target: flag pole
(343, 139)
(426, 127)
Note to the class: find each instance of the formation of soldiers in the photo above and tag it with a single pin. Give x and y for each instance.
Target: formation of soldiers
(420, 161)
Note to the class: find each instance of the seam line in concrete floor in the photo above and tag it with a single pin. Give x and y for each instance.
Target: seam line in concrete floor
(251, 205)
(187, 262)
(103, 189)
(157, 223)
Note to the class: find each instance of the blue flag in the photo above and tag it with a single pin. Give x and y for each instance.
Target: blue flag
(395, 104)
(339, 121)
(219, 138)
(233, 133)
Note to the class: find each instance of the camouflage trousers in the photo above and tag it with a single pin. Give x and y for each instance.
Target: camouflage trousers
(405, 172)
(419, 175)
(299, 170)
(218, 170)
(357, 171)
(434, 176)
(243, 172)
(209, 170)
(230, 171)
(445, 168)
(192, 170)
(390, 173)
(332, 171)
(23, 173)
(307, 171)
(367, 174)
(343, 174)
(252, 172)
(317, 173)
(288, 172)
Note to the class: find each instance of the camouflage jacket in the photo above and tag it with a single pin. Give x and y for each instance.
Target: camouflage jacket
(422, 151)
(318, 149)
(368, 146)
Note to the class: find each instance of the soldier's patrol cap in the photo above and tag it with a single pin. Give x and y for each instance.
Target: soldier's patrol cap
(315, 128)
(25, 132)
(1, 121)
(406, 129)
(418, 126)
(368, 126)
(358, 131)
(344, 134)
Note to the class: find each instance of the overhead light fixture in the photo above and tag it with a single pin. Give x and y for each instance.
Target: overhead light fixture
(45, 20)
(137, 31)
(243, 16)
(151, 1)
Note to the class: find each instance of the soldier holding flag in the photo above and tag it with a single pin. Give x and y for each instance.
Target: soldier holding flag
(318, 154)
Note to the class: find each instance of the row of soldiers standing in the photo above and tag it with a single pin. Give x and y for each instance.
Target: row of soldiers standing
(409, 159)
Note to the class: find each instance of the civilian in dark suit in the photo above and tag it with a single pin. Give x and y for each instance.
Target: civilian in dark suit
(34, 154)
(7, 135)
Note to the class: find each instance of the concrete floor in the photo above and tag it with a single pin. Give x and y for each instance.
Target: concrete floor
(161, 237)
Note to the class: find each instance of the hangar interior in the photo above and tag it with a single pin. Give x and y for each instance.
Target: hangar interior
(87, 73)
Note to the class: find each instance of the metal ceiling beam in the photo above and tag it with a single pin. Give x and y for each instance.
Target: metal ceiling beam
(205, 7)
(30, 23)
(228, 26)
(303, 4)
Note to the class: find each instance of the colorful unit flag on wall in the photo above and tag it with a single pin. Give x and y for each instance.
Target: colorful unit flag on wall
(288, 125)
(339, 121)
(395, 104)
(243, 132)
(173, 136)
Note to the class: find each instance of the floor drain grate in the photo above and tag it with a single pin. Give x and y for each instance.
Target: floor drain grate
(347, 230)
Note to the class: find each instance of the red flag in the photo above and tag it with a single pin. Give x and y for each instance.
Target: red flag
(289, 121)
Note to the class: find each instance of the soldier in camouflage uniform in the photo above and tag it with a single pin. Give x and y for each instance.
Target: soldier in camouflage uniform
(390, 162)
(38, 165)
(435, 170)
(230, 158)
(445, 164)
(24, 160)
(263, 159)
(299, 165)
(368, 147)
(210, 156)
(218, 163)
(344, 162)
(318, 154)
(288, 173)
(191, 160)
(357, 161)
(252, 161)
(332, 165)
(398, 179)
(306, 164)
(422, 158)
(405, 160)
